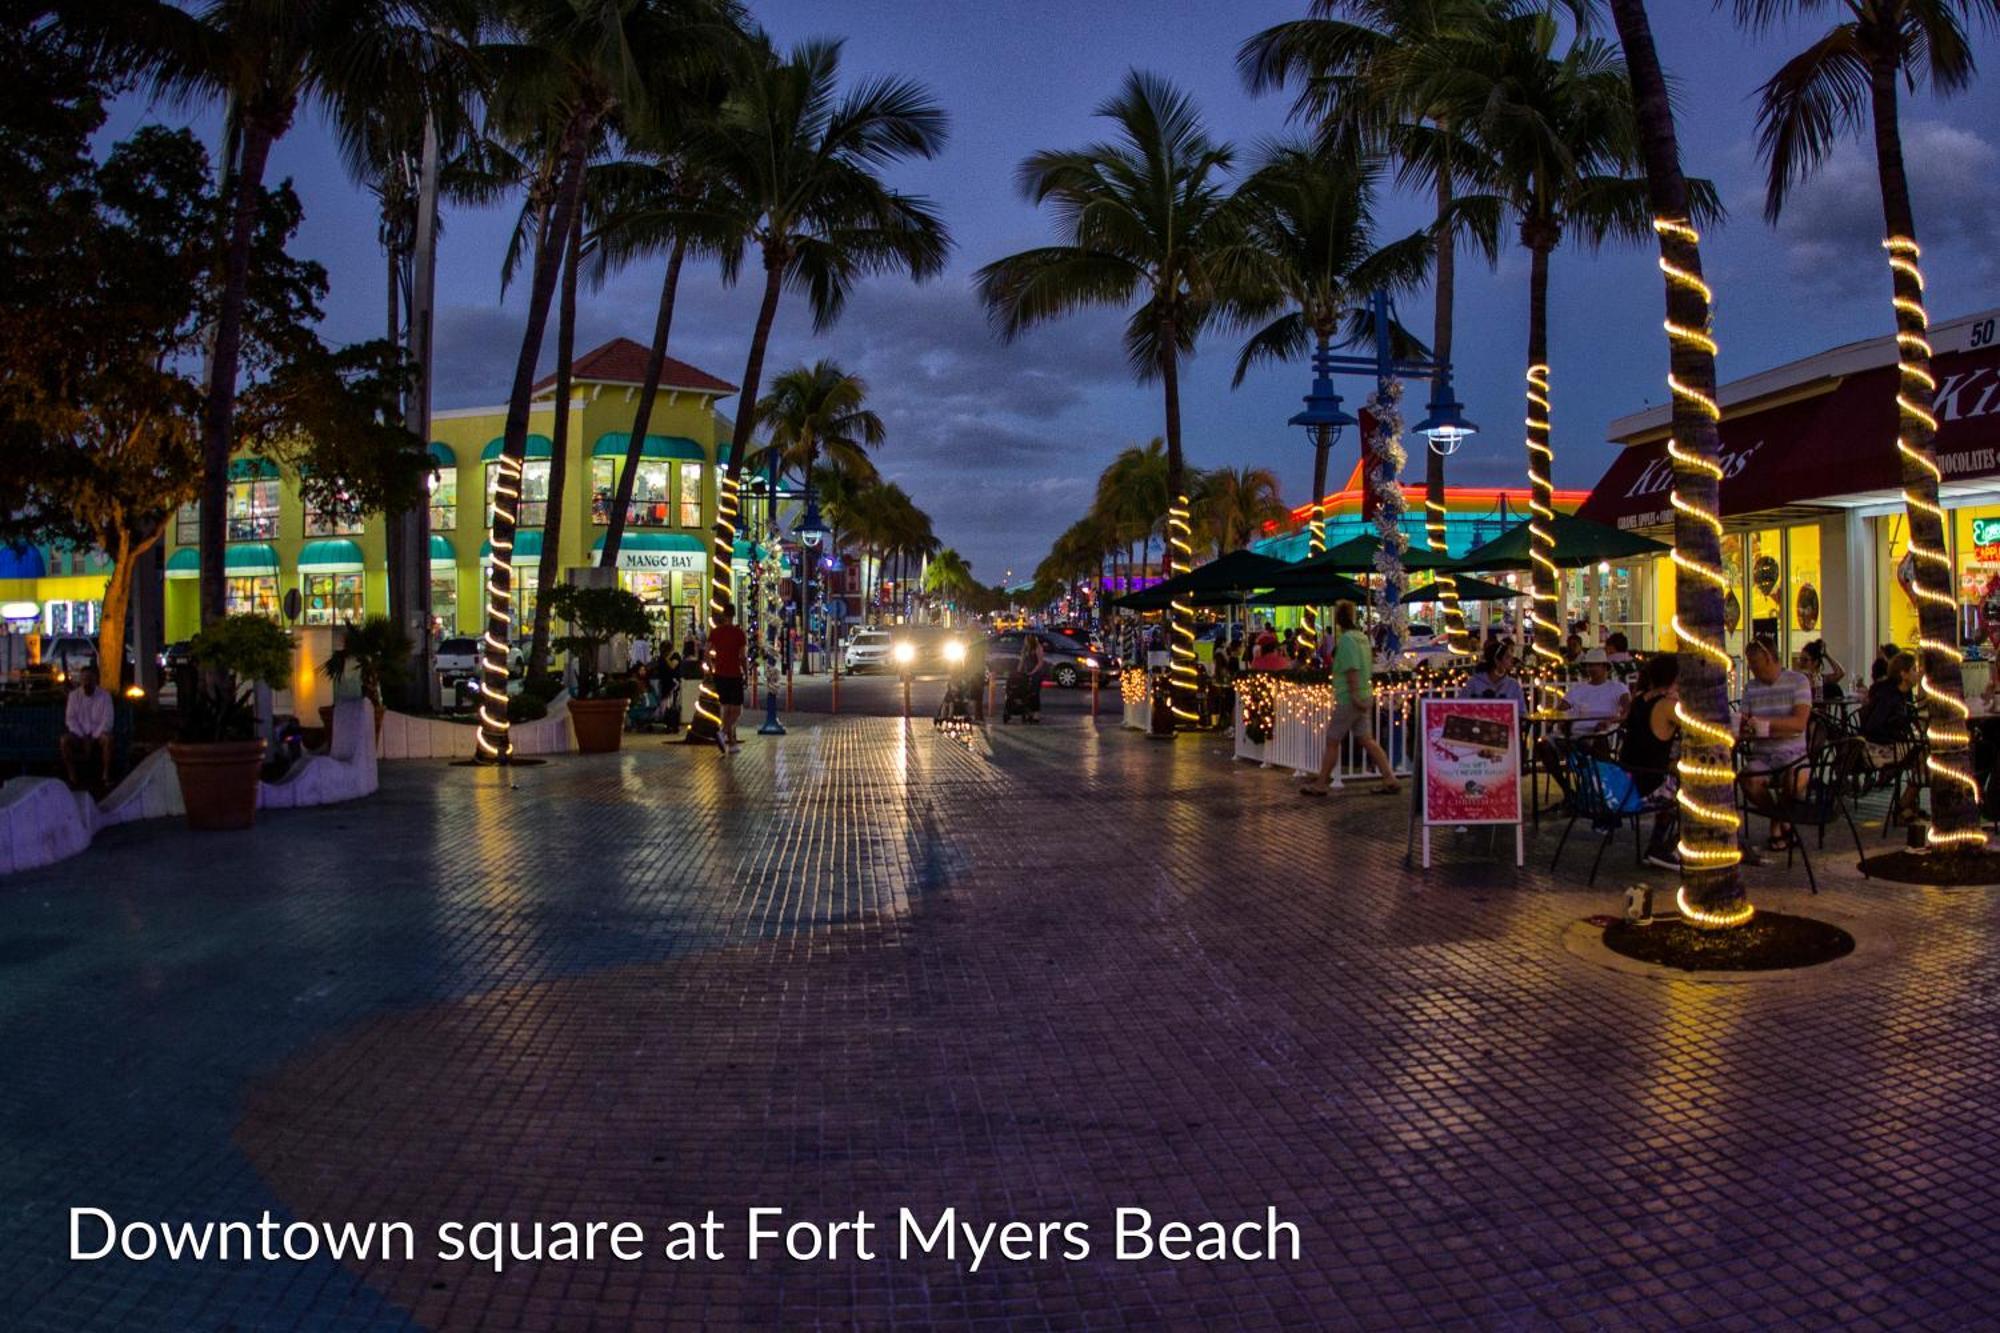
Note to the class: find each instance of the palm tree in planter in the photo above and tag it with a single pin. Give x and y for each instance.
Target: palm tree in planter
(219, 757)
(1148, 220)
(595, 617)
(378, 651)
(1839, 85)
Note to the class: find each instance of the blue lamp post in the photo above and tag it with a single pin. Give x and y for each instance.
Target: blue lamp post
(772, 625)
(811, 531)
(1444, 424)
(1322, 421)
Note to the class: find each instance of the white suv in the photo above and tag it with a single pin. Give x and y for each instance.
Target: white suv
(866, 648)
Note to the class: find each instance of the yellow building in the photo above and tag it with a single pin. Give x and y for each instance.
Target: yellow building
(339, 570)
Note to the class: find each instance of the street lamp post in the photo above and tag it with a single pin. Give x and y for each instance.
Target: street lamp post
(811, 531)
(767, 599)
(1444, 425)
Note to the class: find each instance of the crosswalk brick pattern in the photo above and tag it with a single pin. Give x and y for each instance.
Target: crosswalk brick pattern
(1040, 975)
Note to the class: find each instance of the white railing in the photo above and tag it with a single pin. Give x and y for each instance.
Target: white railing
(1299, 716)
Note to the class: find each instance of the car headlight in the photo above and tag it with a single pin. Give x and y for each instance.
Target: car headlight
(954, 652)
(1090, 663)
(906, 653)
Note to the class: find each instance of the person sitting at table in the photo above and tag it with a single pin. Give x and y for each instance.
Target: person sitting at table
(86, 738)
(1495, 677)
(1617, 648)
(1887, 723)
(1777, 705)
(1823, 670)
(1646, 749)
(1883, 656)
(1573, 646)
(1270, 657)
(1597, 703)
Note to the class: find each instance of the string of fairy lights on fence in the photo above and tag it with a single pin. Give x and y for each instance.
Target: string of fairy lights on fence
(1180, 559)
(493, 742)
(1542, 612)
(1705, 745)
(721, 589)
(1946, 731)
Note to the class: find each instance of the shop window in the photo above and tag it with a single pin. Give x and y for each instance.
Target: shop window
(253, 510)
(1767, 587)
(1807, 610)
(649, 507)
(524, 600)
(332, 599)
(1977, 559)
(324, 523)
(534, 491)
(254, 595)
(444, 598)
(1733, 617)
(444, 499)
(690, 495)
(187, 525)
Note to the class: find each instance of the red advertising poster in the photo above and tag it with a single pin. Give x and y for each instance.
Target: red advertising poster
(1472, 761)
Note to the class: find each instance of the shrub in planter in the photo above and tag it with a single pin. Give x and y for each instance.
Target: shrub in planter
(595, 617)
(379, 652)
(218, 755)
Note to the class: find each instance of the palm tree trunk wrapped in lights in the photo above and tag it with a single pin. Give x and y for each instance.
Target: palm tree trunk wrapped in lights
(1711, 891)
(1180, 558)
(721, 593)
(1544, 611)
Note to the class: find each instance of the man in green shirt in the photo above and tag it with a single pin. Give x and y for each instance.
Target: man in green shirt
(1353, 705)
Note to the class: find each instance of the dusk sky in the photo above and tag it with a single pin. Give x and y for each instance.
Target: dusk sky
(1002, 444)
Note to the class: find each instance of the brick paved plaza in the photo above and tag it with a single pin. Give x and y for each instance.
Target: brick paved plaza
(1040, 978)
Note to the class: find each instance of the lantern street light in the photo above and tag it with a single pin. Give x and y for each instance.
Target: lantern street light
(811, 532)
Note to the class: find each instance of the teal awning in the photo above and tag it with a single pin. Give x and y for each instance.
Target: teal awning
(252, 469)
(184, 564)
(539, 446)
(442, 551)
(744, 550)
(331, 555)
(526, 542)
(246, 558)
(612, 444)
(443, 455)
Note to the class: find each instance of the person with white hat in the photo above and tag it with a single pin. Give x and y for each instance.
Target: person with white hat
(1597, 703)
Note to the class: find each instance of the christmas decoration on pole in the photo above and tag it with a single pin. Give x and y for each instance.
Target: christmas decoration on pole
(1386, 460)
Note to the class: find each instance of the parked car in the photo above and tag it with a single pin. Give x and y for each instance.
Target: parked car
(1066, 662)
(866, 649)
(172, 658)
(460, 656)
(68, 654)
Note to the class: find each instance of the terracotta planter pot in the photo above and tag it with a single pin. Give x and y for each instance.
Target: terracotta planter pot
(219, 782)
(599, 724)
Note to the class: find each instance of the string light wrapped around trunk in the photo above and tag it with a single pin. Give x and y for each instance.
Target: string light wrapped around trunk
(1180, 559)
(1434, 540)
(1946, 733)
(721, 590)
(1543, 611)
(494, 742)
(1705, 746)
(1315, 547)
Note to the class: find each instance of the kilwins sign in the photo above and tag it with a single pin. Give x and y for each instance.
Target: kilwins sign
(1837, 443)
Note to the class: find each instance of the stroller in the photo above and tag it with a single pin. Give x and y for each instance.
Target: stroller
(1023, 698)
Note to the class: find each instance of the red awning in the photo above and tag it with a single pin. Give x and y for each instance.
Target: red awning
(1838, 443)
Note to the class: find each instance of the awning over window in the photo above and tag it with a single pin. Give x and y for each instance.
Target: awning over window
(443, 455)
(333, 555)
(612, 444)
(252, 469)
(539, 446)
(249, 558)
(184, 564)
(442, 551)
(1840, 443)
(659, 552)
(526, 543)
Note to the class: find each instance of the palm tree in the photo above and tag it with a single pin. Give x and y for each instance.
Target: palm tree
(1233, 504)
(1313, 217)
(572, 67)
(1562, 135)
(264, 59)
(817, 411)
(1133, 496)
(795, 168)
(547, 570)
(1841, 83)
(948, 578)
(1712, 886)
(1360, 77)
(1146, 221)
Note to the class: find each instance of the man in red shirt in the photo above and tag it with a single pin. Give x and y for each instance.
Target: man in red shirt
(726, 644)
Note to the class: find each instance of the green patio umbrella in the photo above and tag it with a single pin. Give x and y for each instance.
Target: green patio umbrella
(1579, 542)
(1356, 555)
(1470, 589)
(1322, 591)
(1218, 583)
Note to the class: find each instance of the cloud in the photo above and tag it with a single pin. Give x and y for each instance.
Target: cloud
(1831, 230)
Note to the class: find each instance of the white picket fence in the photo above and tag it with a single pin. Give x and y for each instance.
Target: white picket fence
(1300, 714)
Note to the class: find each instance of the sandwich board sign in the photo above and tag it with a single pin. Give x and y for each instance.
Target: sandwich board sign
(1470, 753)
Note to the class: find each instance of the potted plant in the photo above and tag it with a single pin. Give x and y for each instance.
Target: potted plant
(218, 755)
(379, 651)
(595, 617)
